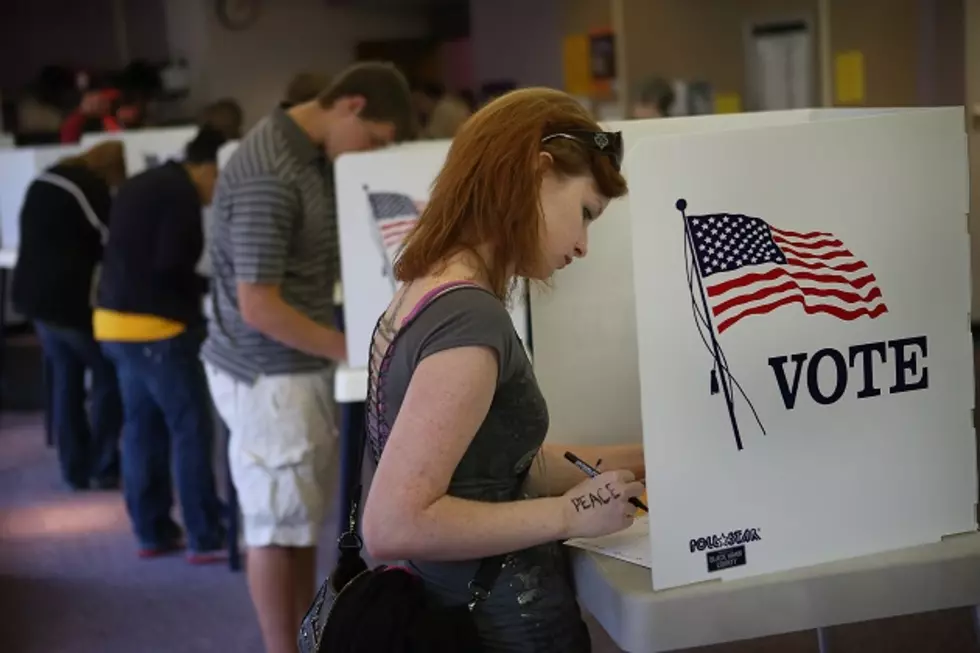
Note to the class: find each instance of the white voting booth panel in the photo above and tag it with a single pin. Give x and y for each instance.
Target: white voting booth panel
(804, 346)
(146, 148)
(379, 195)
(18, 168)
(224, 154)
(584, 329)
(204, 265)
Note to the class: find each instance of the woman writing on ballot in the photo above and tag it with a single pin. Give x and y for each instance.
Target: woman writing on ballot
(456, 421)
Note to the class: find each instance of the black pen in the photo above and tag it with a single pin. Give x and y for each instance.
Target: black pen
(592, 472)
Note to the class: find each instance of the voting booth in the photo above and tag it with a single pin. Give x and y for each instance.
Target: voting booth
(224, 154)
(147, 148)
(18, 168)
(380, 196)
(802, 305)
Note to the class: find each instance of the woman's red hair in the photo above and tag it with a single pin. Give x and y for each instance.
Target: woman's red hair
(487, 192)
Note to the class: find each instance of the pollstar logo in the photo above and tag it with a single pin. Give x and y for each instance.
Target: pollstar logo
(722, 540)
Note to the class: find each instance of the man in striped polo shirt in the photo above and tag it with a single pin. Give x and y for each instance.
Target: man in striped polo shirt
(272, 345)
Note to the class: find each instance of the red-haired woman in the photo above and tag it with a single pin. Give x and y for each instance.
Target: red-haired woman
(455, 417)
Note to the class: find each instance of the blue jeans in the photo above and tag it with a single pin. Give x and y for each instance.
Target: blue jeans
(88, 440)
(167, 409)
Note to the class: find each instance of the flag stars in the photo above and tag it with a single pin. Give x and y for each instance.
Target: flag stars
(725, 242)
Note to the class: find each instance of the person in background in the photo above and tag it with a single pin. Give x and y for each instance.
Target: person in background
(455, 418)
(272, 346)
(224, 115)
(63, 227)
(447, 116)
(469, 97)
(131, 112)
(654, 99)
(305, 87)
(96, 112)
(425, 96)
(149, 320)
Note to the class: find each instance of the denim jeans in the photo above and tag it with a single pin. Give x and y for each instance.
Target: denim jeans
(168, 413)
(87, 440)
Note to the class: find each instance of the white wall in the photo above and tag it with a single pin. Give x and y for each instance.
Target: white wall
(254, 65)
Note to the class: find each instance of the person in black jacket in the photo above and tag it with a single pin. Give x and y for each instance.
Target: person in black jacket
(63, 225)
(149, 320)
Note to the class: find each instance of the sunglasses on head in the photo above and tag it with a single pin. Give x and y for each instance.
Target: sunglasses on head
(606, 143)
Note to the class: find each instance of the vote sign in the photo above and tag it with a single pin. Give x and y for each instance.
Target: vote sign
(802, 300)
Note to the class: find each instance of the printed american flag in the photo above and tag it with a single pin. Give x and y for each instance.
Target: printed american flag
(750, 267)
(395, 215)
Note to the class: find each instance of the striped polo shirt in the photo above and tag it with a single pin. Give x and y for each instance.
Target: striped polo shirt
(274, 222)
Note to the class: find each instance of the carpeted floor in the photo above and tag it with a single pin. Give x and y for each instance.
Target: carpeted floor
(70, 581)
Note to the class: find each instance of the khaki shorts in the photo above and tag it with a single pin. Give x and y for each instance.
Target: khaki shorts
(283, 452)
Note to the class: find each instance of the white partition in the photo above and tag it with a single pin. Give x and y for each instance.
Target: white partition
(18, 168)
(204, 265)
(805, 355)
(224, 154)
(146, 148)
(379, 195)
(584, 329)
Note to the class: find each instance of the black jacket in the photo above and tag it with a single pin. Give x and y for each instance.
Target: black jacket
(155, 242)
(60, 248)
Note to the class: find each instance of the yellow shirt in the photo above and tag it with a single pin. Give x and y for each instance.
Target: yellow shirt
(112, 326)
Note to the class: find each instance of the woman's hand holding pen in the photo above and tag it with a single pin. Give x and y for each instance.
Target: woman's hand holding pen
(601, 505)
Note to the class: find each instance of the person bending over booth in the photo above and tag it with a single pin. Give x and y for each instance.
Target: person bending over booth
(654, 99)
(150, 322)
(272, 346)
(63, 227)
(455, 418)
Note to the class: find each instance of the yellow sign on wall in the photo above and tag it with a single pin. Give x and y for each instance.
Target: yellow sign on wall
(576, 65)
(849, 77)
(728, 103)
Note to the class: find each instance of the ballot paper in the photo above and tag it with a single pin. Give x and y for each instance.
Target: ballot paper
(630, 545)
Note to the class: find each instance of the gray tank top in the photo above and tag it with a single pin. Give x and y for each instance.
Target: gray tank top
(532, 606)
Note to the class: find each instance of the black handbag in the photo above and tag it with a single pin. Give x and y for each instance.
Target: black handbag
(362, 610)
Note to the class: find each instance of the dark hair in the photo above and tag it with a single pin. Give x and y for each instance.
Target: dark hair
(658, 92)
(488, 190)
(204, 146)
(225, 115)
(304, 87)
(385, 91)
(469, 97)
(431, 90)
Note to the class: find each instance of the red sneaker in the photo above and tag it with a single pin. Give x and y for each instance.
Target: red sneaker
(207, 557)
(147, 553)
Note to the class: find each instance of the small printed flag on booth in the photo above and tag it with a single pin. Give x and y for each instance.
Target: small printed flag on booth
(395, 216)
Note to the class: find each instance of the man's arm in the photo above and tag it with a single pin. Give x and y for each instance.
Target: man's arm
(264, 309)
(262, 221)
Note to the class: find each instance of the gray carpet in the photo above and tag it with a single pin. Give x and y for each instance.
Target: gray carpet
(70, 580)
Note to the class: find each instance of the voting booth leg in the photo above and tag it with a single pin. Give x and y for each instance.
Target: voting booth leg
(351, 428)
